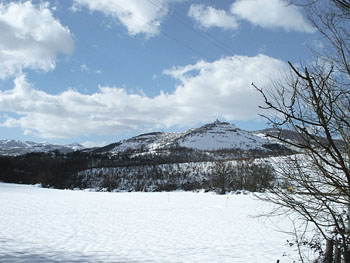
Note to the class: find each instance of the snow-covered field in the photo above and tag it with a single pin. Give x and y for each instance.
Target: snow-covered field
(46, 225)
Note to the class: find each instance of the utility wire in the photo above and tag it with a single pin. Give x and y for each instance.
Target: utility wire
(163, 32)
(187, 23)
(184, 44)
(207, 36)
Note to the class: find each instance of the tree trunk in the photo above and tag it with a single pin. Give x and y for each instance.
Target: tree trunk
(328, 257)
(347, 256)
(337, 254)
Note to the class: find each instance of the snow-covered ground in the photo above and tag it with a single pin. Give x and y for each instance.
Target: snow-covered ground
(46, 225)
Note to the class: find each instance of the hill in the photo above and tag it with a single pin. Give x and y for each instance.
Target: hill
(15, 147)
(217, 156)
(210, 138)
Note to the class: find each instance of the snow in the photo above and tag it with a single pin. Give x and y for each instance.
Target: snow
(222, 136)
(15, 147)
(211, 137)
(47, 225)
(150, 142)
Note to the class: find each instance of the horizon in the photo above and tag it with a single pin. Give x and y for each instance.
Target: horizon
(182, 131)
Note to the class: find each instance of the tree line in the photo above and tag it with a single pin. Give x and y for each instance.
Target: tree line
(135, 173)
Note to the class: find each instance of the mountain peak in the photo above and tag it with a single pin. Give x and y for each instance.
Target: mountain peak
(217, 126)
(220, 135)
(217, 122)
(210, 137)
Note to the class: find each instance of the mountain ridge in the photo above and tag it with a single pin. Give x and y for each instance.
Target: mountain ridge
(215, 136)
(16, 147)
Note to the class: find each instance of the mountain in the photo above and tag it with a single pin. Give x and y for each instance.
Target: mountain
(209, 138)
(217, 156)
(216, 136)
(288, 135)
(157, 161)
(15, 147)
(293, 137)
(219, 136)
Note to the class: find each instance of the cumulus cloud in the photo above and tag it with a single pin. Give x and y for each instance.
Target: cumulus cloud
(223, 87)
(208, 16)
(268, 14)
(271, 14)
(139, 16)
(30, 38)
(206, 90)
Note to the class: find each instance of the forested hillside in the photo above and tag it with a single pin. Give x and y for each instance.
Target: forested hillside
(216, 156)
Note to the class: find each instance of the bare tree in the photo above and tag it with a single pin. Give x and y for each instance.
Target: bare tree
(314, 101)
(222, 173)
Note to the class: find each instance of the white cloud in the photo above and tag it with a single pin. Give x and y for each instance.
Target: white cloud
(223, 87)
(30, 38)
(207, 90)
(271, 14)
(211, 17)
(139, 16)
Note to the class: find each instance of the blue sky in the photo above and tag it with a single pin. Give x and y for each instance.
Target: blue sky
(97, 71)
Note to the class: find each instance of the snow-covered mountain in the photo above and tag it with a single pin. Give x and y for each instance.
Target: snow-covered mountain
(150, 162)
(292, 137)
(210, 137)
(221, 135)
(287, 135)
(15, 147)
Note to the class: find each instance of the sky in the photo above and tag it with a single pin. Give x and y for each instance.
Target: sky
(99, 71)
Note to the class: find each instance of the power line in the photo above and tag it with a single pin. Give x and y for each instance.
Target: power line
(162, 31)
(184, 21)
(207, 36)
(182, 43)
